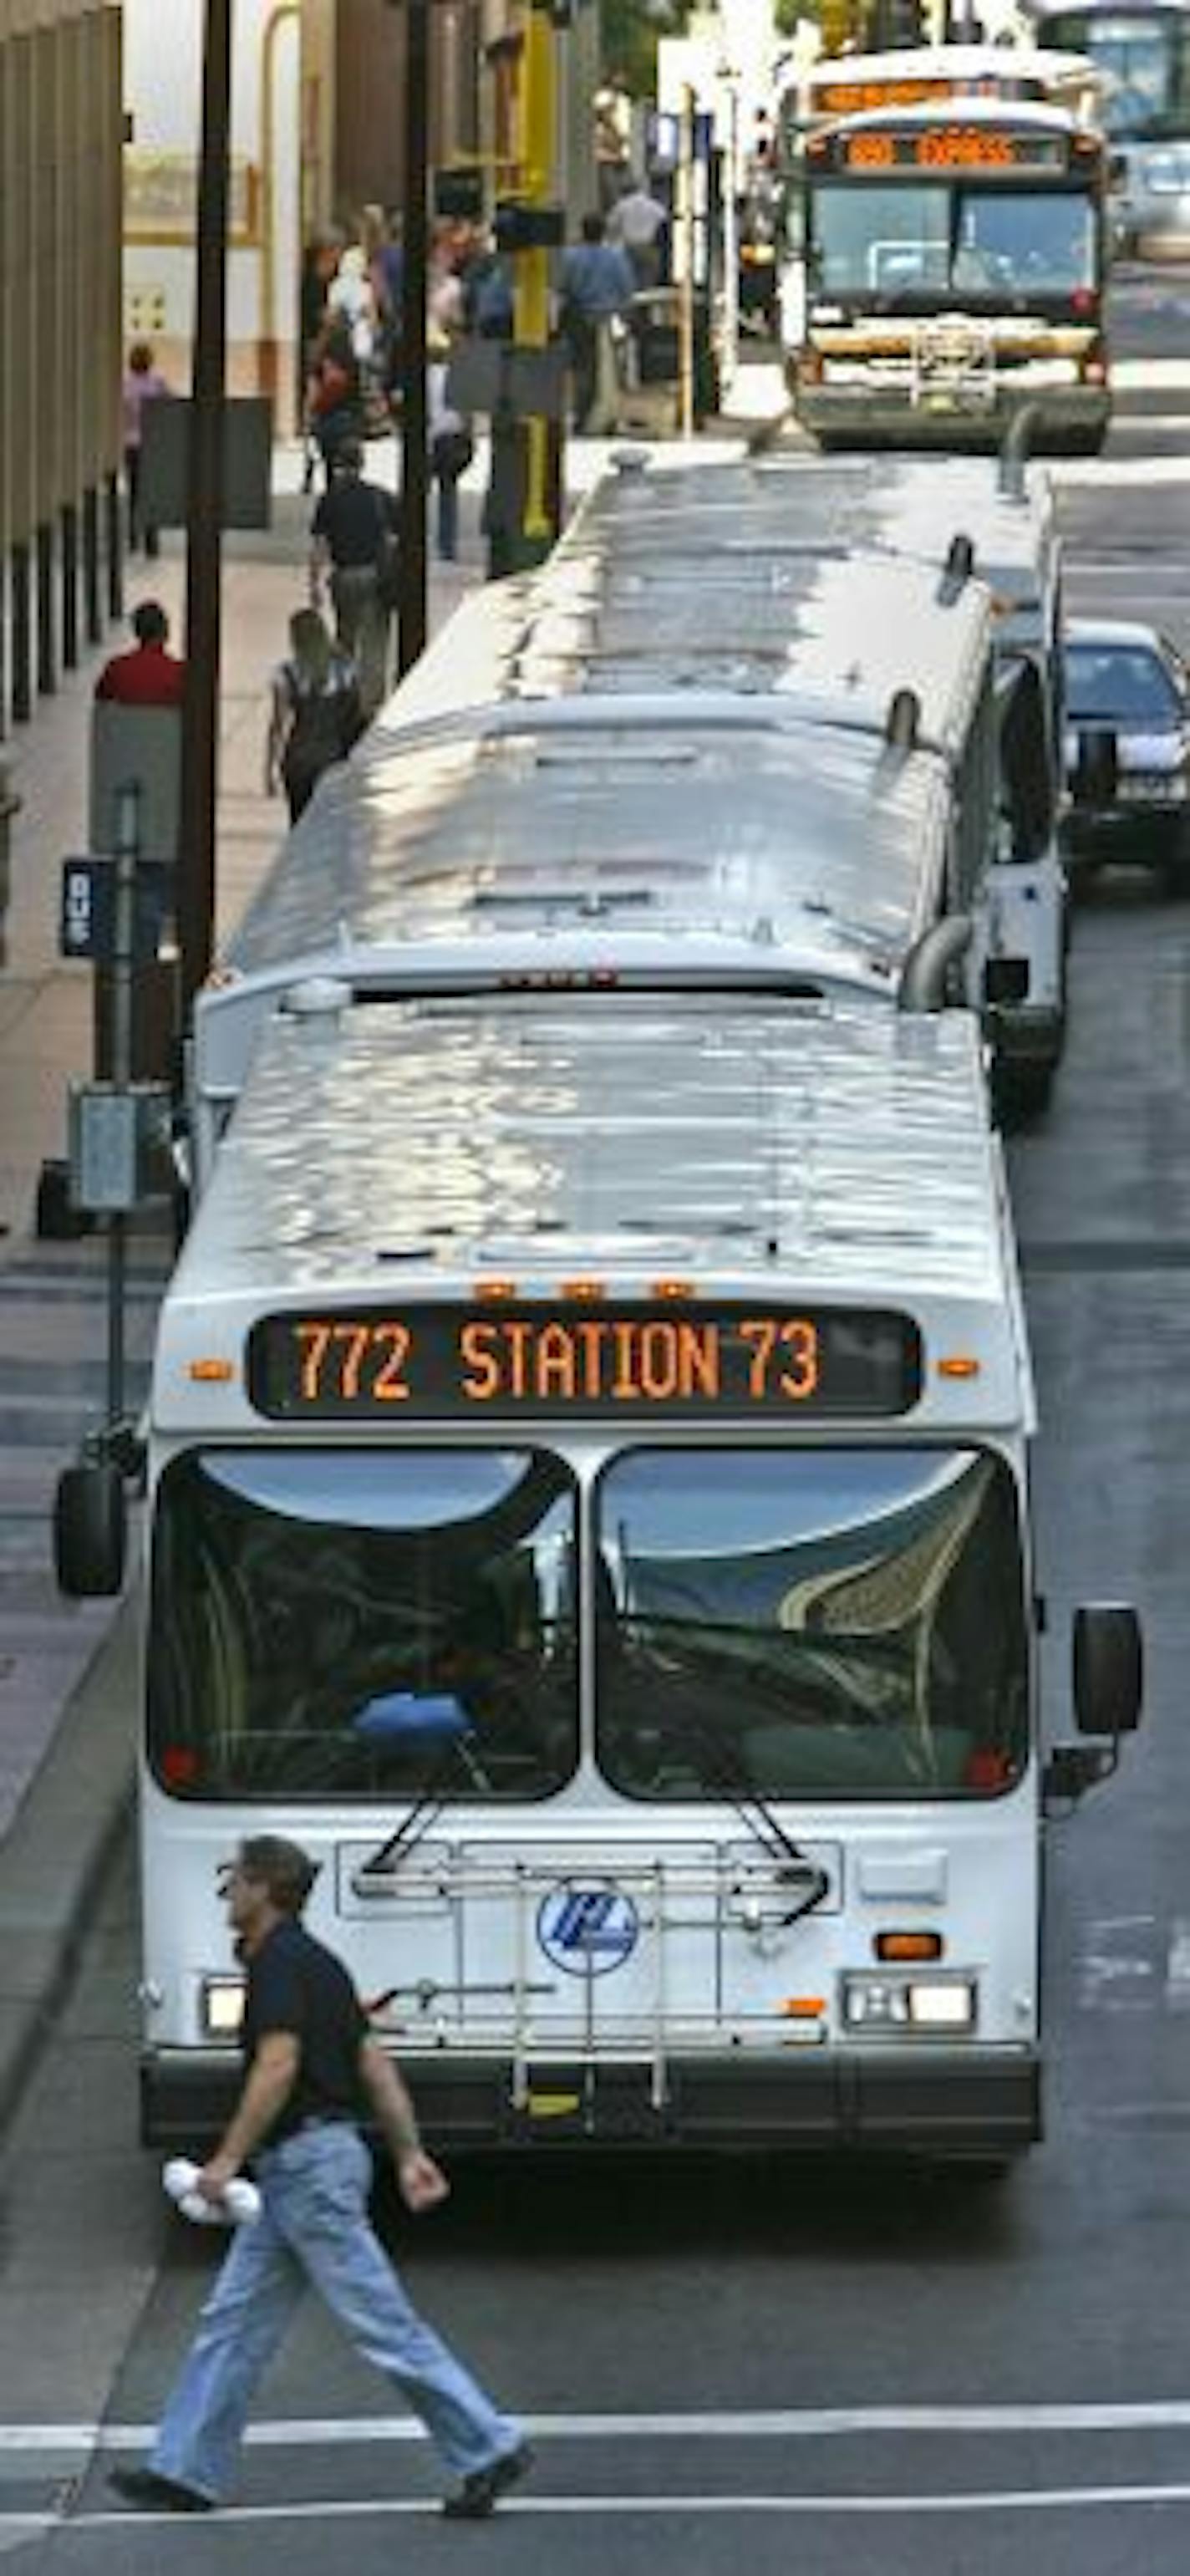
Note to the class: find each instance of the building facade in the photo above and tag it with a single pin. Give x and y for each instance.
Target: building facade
(61, 126)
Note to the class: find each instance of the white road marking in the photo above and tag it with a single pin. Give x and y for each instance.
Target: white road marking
(815, 2423)
(599, 2507)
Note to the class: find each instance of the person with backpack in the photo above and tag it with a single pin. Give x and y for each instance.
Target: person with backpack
(316, 713)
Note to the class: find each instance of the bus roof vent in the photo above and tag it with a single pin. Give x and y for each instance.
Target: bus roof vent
(902, 720)
(316, 995)
(960, 560)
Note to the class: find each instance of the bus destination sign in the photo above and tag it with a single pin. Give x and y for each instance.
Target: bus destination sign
(990, 150)
(546, 1363)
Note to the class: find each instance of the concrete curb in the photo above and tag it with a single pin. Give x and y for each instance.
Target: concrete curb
(59, 1846)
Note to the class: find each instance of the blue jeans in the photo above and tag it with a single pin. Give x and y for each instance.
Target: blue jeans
(314, 2227)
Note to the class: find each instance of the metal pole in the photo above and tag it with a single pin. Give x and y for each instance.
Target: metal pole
(414, 460)
(123, 950)
(685, 247)
(204, 531)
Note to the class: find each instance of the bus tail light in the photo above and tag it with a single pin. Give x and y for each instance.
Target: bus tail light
(1092, 366)
(811, 367)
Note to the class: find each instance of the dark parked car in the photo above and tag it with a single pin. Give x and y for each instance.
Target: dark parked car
(1127, 749)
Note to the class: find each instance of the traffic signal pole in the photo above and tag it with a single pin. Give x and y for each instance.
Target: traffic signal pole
(532, 293)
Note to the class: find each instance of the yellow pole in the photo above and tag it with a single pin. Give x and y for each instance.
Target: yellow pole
(532, 299)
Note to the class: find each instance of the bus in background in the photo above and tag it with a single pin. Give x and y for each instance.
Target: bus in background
(1141, 52)
(769, 518)
(950, 270)
(580, 779)
(588, 1506)
(439, 876)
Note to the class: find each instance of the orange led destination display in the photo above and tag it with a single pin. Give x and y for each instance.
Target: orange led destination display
(450, 1364)
(988, 149)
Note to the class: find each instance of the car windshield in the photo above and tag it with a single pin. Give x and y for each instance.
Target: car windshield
(913, 243)
(353, 1624)
(1118, 684)
(810, 1623)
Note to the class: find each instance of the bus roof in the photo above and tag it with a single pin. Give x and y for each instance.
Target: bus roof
(1039, 116)
(914, 506)
(839, 1156)
(622, 612)
(845, 84)
(458, 848)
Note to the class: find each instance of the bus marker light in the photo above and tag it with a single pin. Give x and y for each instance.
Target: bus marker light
(212, 1372)
(957, 1364)
(586, 1292)
(803, 2007)
(490, 1290)
(553, 2106)
(222, 2007)
(908, 1945)
(661, 1288)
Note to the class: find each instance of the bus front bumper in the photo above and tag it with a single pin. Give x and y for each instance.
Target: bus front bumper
(850, 414)
(982, 2102)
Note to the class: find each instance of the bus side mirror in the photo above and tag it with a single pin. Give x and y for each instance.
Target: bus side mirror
(1096, 769)
(90, 1531)
(1108, 1669)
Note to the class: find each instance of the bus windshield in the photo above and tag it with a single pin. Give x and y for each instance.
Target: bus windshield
(810, 1623)
(1143, 58)
(909, 243)
(351, 1624)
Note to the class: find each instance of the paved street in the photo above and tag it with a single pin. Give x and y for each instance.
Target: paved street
(821, 2367)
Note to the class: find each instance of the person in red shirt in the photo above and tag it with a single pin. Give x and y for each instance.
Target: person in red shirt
(147, 676)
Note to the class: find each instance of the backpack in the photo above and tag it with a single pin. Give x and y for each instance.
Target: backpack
(326, 721)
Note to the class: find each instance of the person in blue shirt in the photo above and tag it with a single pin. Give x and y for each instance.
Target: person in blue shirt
(596, 285)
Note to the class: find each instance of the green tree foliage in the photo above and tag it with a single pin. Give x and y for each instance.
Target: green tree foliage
(628, 34)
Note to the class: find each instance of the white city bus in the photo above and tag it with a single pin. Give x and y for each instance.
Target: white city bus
(947, 268)
(573, 746)
(1000, 523)
(599, 851)
(1141, 53)
(588, 1507)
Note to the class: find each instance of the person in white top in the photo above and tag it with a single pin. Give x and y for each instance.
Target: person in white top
(636, 223)
(451, 443)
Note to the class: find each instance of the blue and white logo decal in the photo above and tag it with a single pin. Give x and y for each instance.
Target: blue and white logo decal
(587, 1930)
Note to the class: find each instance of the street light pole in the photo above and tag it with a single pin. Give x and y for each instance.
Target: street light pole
(204, 527)
(414, 444)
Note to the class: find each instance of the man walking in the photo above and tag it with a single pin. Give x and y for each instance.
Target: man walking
(596, 285)
(147, 675)
(354, 532)
(311, 2066)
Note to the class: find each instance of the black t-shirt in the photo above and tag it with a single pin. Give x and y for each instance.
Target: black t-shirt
(354, 517)
(294, 1984)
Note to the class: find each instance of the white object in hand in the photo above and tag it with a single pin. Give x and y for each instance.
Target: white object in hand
(238, 2207)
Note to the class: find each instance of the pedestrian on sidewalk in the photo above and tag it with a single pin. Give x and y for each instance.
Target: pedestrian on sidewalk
(596, 285)
(354, 536)
(316, 713)
(312, 2068)
(452, 444)
(638, 225)
(143, 383)
(146, 675)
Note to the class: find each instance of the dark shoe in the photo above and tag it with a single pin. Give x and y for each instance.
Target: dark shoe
(151, 2493)
(481, 2492)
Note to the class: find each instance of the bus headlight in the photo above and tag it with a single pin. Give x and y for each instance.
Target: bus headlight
(221, 2007)
(918, 2004)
